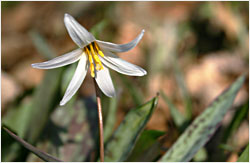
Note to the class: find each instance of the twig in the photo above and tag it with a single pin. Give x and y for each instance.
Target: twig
(99, 109)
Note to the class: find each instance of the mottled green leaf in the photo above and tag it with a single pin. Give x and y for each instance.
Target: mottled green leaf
(244, 157)
(124, 138)
(201, 155)
(203, 127)
(147, 147)
(71, 131)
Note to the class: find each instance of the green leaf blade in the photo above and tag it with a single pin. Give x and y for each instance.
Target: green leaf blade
(203, 127)
(244, 157)
(147, 147)
(124, 138)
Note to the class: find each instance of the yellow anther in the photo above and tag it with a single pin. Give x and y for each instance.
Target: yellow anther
(92, 70)
(96, 58)
(100, 53)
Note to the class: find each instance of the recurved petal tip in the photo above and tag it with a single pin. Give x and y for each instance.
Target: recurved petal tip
(62, 103)
(66, 14)
(32, 65)
(144, 72)
(118, 48)
(36, 65)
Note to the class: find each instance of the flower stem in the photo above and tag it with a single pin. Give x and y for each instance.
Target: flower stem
(99, 109)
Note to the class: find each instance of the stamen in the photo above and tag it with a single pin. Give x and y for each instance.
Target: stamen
(100, 53)
(96, 46)
(92, 67)
(89, 55)
(96, 58)
(92, 50)
(98, 50)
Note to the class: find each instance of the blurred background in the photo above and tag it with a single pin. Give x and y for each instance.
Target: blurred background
(192, 51)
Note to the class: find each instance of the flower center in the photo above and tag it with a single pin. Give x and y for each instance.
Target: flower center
(92, 50)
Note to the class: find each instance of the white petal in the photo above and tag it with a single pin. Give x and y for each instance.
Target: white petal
(104, 82)
(60, 61)
(114, 62)
(118, 48)
(77, 79)
(77, 32)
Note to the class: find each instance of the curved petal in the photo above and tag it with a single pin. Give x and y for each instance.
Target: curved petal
(77, 79)
(104, 82)
(60, 61)
(114, 62)
(77, 32)
(118, 48)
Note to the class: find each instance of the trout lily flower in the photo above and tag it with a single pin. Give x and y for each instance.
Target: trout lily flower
(94, 54)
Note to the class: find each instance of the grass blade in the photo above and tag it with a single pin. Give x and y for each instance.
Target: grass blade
(239, 116)
(124, 138)
(40, 43)
(133, 90)
(44, 156)
(203, 127)
(184, 91)
(178, 117)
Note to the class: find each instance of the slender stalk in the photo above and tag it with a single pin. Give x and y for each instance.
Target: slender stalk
(99, 109)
